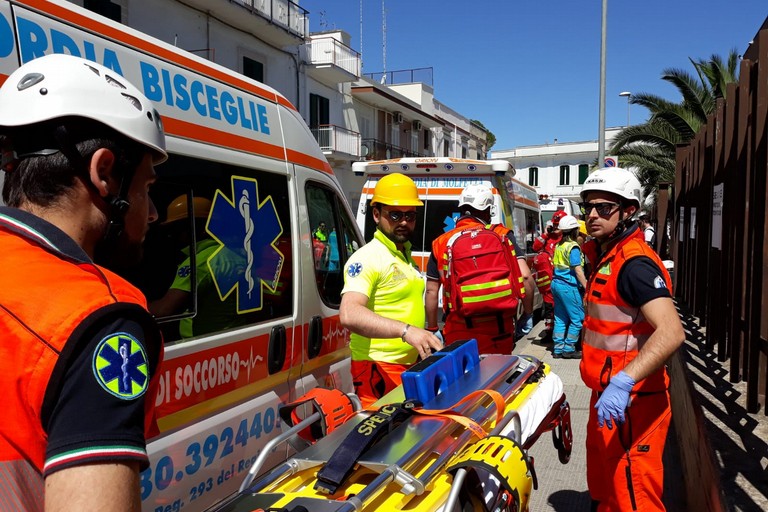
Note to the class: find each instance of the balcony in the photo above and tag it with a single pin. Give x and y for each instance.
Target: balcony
(337, 141)
(374, 149)
(403, 76)
(279, 22)
(330, 61)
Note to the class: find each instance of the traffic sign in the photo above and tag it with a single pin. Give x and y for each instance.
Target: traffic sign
(611, 161)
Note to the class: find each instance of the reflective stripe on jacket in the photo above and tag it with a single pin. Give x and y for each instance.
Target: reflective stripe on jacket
(614, 331)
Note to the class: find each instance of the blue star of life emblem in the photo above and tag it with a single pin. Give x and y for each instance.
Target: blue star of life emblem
(449, 223)
(120, 366)
(355, 269)
(247, 229)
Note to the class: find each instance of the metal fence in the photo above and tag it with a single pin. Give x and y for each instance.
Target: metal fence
(719, 240)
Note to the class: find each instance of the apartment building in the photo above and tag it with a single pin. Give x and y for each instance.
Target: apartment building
(352, 116)
(555, 169)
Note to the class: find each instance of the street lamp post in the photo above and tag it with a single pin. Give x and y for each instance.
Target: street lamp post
(628, 95)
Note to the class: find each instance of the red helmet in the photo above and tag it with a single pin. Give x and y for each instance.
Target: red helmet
(559, 214)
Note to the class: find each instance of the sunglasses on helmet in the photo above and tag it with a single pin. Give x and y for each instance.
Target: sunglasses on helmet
(603, 209)
(397, 216)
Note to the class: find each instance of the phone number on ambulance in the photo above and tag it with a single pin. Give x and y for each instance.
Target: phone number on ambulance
(215, 446)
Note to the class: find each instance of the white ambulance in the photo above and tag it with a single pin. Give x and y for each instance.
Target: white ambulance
(246, 174)
(550, 204)
(440, 181)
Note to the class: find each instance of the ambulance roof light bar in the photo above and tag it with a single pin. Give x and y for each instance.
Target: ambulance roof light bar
(433, 164)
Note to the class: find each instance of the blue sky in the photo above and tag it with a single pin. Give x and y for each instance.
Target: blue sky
(529, 70)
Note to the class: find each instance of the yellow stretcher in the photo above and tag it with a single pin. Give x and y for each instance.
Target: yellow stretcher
(448, 455)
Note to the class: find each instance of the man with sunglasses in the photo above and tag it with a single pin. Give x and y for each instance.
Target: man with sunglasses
(382, 300)
(495, 333)
(630, 329)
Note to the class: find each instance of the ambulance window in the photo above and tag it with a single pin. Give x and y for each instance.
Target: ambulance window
(526, 228)
(238, 273)
(439, 217)
(333, 240)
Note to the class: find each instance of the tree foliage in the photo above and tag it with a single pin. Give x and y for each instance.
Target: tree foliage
(491, 140)
(650, 147)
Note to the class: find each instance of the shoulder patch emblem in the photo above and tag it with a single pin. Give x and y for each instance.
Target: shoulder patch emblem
(354, 269)
(120, 366)
(658, 282)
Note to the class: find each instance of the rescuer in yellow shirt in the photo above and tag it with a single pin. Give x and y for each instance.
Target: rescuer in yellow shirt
(382, 300)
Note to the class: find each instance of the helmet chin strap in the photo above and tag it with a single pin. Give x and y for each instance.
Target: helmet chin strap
(621, 226)
(117, 206)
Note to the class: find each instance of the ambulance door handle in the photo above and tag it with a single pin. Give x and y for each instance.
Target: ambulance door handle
(276, 354)
(315, 341)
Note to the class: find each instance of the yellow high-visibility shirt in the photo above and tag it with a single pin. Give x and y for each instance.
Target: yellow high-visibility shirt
(395, 289)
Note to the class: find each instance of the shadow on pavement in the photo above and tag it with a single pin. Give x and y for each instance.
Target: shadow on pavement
(738, 439)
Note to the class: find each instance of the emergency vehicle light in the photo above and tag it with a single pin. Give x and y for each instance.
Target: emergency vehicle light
(426, 166)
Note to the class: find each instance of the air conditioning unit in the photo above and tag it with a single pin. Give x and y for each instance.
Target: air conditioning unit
(397, 117)
(417, 125)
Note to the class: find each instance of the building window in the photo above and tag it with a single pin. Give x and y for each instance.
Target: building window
(105, 8)
(565, 175)
(427, 141)
(533, 176)
(319, 111)
(583, 173)
(253, 69)
(446, 147)
(463, 151)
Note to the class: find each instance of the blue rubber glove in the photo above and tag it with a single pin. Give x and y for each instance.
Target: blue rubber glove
(438, 333)
(614, 400)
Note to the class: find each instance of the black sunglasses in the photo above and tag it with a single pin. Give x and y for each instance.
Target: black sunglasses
(603, 209)
(396, 216)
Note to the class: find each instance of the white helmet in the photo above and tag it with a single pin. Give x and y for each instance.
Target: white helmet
(568, 222)
(478, 197)
(58, 85)
(615, 180)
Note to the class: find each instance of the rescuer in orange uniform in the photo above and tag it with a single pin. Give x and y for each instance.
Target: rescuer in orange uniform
(494, 335)
(631, 328)
(78, 351)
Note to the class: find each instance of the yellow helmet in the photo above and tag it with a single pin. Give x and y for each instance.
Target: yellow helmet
(583, 228)
(396, 190)
(177, 210)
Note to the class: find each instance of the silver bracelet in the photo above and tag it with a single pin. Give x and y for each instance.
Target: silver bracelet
(405, 330)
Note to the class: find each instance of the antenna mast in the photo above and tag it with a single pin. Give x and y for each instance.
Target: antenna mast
(384, 43)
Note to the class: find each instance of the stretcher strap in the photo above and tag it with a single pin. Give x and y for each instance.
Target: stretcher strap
(334, 406)
(469, 423)
(340, 465)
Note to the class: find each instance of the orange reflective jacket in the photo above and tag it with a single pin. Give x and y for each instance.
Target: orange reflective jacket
(46, 300)
(615, 331)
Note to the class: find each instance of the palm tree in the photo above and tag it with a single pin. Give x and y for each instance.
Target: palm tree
(650, 147)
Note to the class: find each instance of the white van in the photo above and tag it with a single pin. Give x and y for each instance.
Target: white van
(244, 148)
(440, 181)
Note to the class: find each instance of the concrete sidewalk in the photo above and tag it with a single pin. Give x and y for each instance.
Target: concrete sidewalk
(563, 487)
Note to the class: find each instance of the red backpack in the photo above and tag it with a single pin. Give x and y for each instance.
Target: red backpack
(542, 265)
(482, 275)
